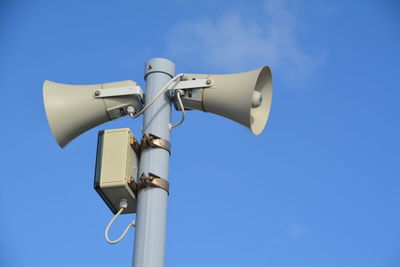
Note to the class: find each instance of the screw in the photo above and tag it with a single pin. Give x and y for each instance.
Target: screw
(208, 82)
(97, 93)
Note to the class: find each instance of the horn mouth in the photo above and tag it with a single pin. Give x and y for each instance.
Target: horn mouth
(49, 100)
(259, 115)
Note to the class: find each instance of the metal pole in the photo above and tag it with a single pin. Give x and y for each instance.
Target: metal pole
(151, 214)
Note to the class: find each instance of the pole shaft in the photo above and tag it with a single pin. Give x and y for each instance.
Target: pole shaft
(151, 214)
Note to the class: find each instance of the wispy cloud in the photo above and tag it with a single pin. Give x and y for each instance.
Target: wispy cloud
(290, 232)
(295, 230)
(234, 42)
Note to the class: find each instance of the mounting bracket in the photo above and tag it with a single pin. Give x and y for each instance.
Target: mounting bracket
(189, 84)
(120, 91)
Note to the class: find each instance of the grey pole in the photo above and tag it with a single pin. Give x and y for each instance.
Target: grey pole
(151, 214)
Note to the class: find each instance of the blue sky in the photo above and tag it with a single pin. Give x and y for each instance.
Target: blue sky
(319, 187)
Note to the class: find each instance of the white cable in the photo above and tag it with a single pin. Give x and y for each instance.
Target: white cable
(178, 96)
(132, 224)
(165, 88)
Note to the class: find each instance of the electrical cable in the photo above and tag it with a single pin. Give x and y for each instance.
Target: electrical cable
(165, 87)
(178, 96)
(123, 205)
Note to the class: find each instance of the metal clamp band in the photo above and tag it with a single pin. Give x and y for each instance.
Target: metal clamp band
(151, 140)
(135, 145)
(153, 181)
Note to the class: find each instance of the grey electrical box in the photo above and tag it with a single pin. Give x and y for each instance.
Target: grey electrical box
(116, 168)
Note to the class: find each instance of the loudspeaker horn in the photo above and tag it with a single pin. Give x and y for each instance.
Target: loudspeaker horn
(242, 97)
(73, 109)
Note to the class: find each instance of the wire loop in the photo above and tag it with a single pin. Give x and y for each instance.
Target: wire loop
(178, 96)
(165, 88)
(132, 224)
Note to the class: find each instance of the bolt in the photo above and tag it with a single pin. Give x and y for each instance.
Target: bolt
(97, 93)
(208, 82)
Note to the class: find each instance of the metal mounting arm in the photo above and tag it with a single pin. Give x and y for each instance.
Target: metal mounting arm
(120, 91)
(189, 84)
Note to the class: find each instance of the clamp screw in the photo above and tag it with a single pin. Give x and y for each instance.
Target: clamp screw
(97, 93)
(208, 82)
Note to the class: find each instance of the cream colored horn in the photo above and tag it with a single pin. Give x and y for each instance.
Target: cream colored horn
(243, 97)
(73, 109)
